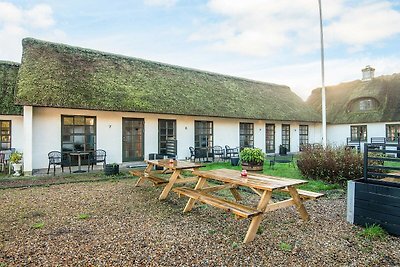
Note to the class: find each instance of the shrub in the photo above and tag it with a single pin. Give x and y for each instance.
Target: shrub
(334, 165)
(252, 155)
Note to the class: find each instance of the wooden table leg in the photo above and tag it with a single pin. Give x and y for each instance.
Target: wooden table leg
(299, 204)
(171, 182)
(235, 194)
(255, 222)
(146, 172)
(202, 181)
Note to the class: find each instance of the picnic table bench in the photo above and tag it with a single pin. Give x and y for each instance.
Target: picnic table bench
(172, 167)
(263, 185)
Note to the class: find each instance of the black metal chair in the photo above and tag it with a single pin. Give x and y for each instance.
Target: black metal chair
(231, 152)
(192, 153)
(97, 156)
(218, 152)
(2, 162)
(55, 158)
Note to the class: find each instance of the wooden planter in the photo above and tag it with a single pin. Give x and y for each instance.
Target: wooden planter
(369, 203)
(111, 169)
(252, 166)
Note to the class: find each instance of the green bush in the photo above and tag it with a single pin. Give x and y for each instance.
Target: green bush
(252, 155)
(332, 164)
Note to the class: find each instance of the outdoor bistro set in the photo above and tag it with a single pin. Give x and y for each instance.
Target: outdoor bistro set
(262, 185)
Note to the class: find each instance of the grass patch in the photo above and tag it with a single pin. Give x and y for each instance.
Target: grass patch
(285, 247)
(83, 216)
(373, 232)
(39, 225)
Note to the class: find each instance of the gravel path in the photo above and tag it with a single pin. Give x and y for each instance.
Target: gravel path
(128, 226)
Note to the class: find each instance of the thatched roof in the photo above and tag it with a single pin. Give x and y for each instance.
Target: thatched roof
(8, 81)
(384, 90)
(58, 75)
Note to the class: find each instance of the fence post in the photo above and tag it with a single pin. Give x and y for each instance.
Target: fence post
(365, 170)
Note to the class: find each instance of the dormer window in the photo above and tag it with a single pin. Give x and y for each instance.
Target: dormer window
(363, 104)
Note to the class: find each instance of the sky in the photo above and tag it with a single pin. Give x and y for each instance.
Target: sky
(265, 40)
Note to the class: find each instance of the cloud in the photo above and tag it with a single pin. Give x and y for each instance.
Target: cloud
(17, 23)
(162, 3)
(264, 27)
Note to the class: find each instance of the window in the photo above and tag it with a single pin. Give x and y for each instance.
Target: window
(358, 133)
(392, 132)
(303, 135)
(167, 137)
(78, 133)
(364, 104)
(270, 138)
(5, 135)
(203, 135)
(286, 136)
(246, 135)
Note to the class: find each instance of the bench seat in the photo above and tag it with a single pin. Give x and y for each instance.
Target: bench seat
(305, 195)
(235, 208)
(154, 179)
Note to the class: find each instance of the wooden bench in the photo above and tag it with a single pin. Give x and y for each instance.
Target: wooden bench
(154, 179)
(305, 195)
(235, 208)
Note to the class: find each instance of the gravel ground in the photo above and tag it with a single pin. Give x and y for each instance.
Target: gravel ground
(115, 224)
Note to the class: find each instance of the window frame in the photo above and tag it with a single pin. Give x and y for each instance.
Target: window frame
(246, 135)
(286, 136)
(270, 144)
(358, 127)
(304, 135)
(89, 138)
(9, 135)
(163, 148)
(203, 135)
(396, 132)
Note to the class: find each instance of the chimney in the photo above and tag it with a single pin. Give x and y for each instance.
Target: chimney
(368, 73)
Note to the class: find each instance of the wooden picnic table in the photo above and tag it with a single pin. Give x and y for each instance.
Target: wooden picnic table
(263, 185)
(174, 168)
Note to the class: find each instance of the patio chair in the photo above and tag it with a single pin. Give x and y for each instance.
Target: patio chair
(97, 156)
(2, 162)
(192, 153)
(55, 158)
(218, 152)
(231, 152)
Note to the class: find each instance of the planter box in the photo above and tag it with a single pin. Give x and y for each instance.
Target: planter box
(111, 169)
(369, 203)
(250, 167)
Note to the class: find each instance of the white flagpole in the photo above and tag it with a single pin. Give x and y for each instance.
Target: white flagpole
(323, 78)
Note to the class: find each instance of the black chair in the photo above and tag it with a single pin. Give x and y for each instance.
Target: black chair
(2, 162)
(97, 156)
(55, 158)
(192, 153)
(218, 152)
(231, 152)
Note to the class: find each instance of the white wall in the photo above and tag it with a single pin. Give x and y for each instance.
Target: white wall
(17, 130)
(47, 132)
(337, 134)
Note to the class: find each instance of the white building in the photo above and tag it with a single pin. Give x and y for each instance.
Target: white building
(362, 110)
(76, 99)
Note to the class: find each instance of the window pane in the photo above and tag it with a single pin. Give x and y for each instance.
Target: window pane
(68, 120)
(78, 120)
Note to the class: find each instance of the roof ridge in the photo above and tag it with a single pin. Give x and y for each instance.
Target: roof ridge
(103, 53)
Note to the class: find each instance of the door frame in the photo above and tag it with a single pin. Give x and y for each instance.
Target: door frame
(122, 135)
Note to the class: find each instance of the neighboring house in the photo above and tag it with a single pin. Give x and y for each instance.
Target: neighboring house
(11, 121)
(79, 99)
(363, 109)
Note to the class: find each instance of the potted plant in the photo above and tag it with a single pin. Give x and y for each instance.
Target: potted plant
(252, 159)
(15, 160)
(111, 169)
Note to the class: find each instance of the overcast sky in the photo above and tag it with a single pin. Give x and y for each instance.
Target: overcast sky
(270, 40)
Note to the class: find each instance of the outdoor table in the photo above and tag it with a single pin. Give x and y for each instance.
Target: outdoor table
(263, 185)
(79, 154)
(174, 166)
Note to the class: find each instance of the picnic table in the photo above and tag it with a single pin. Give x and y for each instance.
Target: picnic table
(173, 167)
(263, 185)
